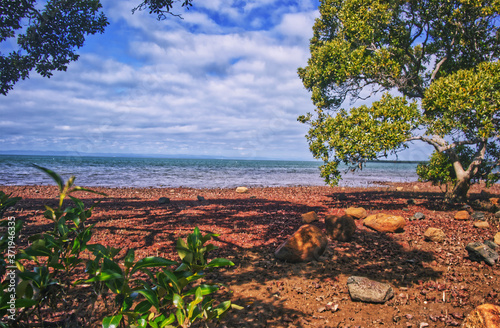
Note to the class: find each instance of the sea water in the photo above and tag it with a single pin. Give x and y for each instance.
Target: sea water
(194, 173)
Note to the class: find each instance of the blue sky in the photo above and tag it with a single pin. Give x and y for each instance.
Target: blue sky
(222, 81)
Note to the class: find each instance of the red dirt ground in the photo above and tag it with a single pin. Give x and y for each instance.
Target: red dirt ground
(435, 284)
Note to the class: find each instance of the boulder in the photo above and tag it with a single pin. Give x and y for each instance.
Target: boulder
(478, 251)
(309, 217)
(356, 212)
(366, 290)
(306, 244)
(496, 239)
(385, 223)
(483, 316)
(163, 200)
(434, 234)
(481, 224)
(340, 228)
(462, 215)
(241, 190)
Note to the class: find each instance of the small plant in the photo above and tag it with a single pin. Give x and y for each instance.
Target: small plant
(150, 292)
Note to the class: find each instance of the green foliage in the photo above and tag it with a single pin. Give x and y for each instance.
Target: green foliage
(441, 52)
(47, 38)
(147, 292)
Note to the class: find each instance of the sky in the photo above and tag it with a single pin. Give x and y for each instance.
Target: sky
(220, 82)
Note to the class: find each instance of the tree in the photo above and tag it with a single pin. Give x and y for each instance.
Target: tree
(431, 53)
(48, 37)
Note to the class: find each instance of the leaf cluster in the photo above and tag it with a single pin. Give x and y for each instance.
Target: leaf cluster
(149, 292)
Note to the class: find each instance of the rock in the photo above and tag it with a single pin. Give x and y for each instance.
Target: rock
(462, 215)
(200, 198)
(491, 245)
(366, 290)
(481, 224)
(497, 215)
(385, 223)
(481, 252)
(306, 244)
(163, 200)
(340, 228)
(496, 239)
(410, 202)
(416, 188)
(309, 217)
(494, 201)
(417, 216)
(478, 216)
(468, 209)
(356, 212)
(399, 188)
(241, 190)
(483, 316)
(434, 234)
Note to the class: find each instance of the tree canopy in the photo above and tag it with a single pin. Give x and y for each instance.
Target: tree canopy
(438, 56)
(48, 37)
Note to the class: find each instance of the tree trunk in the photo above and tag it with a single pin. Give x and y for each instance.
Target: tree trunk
(459, 192)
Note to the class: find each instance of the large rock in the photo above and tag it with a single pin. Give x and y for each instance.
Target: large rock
(340, 228)
(306, 244)
(366, 290)
(309, 217)
(483, 316)
(462, 215)
(384, 222)
(356, 212)
(434, 234)
(497, 238)
(478, 251)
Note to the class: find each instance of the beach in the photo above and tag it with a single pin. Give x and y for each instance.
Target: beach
(434, 283)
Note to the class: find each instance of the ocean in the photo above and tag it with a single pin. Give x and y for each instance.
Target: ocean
(192, 173)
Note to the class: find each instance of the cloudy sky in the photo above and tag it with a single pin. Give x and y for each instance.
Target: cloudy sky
(222, 81)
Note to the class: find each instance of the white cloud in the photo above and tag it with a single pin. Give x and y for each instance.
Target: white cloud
(204, 84)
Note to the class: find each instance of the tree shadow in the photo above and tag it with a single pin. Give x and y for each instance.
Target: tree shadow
(250, 230)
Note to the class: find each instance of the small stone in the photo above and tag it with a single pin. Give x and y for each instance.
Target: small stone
(200, 198)
(416, 188)
(309, 217)
(496, 239)
(163, 200)
(468, 209)
(462, 215)
(494, 201)
(478, 216)
(481, 224)
(483, 316)
(356, 212)
(497, 215)
(434, 234)
(340, 228)
(241, 190)
(385, 223)
(366, 290)
(424, 324)
(410, 202)
(399, 188)
(418, 216)
(481, 252)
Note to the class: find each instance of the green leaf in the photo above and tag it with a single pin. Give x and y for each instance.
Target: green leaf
(59, 181)
(143, 307)
(150, 262)
(129, 258)
(112, 322)
(25, 303)
(150, 295)
(220, 262)
(177, 301)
